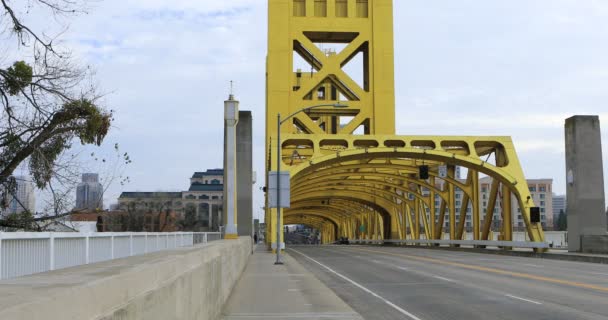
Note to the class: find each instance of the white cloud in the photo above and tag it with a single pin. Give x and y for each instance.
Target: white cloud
(514, 68)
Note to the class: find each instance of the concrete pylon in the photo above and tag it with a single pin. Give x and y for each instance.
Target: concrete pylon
(244, 177)
(231, 119)
(585, 186)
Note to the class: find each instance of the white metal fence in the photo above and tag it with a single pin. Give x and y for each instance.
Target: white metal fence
(23, 253)
(553, 239)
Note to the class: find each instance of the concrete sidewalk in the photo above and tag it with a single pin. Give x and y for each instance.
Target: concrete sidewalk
(288, 291)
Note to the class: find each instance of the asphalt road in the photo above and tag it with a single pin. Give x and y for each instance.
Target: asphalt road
(411, 283)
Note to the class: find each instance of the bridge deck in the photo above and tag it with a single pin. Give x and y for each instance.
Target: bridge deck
(407, 283)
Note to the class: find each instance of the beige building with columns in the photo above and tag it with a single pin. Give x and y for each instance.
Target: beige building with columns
(200, 206)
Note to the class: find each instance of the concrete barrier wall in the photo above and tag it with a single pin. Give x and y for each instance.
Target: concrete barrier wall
(186, 283)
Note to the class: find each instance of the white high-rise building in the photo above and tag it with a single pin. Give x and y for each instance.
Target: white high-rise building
(89, 193)
(540, 190)
(23, 198)
(559, 204)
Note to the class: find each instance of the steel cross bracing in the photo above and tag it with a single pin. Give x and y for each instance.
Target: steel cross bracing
(351, 175)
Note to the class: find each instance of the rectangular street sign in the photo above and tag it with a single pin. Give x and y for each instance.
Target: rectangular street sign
(285, 189)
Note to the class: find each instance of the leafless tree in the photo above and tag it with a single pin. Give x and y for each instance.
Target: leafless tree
(140, 215)
(47, 102)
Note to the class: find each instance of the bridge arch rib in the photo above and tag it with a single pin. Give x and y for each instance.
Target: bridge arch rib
(387, 178)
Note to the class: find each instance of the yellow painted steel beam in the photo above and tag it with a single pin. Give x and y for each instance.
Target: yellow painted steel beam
(490, 209)
(452, 203)
(306, 212)
(396, 169)
(464, 206)
(495, 172)
(507, 224)
(475, 204)
(432, 193)
(371, 178)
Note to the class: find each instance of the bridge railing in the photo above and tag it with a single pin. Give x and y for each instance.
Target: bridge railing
(512, 244)
(24, 253)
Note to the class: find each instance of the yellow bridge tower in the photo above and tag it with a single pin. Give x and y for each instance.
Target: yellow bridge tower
(351, 175)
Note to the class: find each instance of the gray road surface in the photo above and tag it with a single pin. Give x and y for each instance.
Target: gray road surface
(411, 283)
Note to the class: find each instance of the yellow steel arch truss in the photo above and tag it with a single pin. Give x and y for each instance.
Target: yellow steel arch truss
(351, 175)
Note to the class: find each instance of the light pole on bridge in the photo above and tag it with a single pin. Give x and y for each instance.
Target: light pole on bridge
(279, 159)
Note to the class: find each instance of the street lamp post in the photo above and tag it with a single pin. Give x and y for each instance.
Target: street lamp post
(279, 159)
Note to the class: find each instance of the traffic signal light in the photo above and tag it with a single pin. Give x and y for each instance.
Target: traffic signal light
(424, 172)
(535, 214)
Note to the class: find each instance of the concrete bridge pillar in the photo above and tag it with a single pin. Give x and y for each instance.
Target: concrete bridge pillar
(585, 185)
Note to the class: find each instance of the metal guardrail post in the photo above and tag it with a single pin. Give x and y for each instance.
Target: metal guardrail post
(0, 255)
(205, 239)
(51, 251)
(111, 246)
(146, 243)
(87, 249)
(130, 245)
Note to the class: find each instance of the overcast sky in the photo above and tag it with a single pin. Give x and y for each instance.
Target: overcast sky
(473, 67)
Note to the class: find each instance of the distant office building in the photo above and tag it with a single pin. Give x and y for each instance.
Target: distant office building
(540, 190)
(22, 198)
(559, 204)
(200, 207)
(458, 174)
(89, 193)
(211, 176)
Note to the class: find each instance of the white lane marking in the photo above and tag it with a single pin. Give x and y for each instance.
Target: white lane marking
(377, 261)
(599, 273)
(403, 268)
(444, 279)
(522, 299)
(394, 306)
(293, 290)
(532, 265)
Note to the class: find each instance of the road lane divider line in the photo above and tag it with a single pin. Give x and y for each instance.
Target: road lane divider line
(492, 270)
(394, 306)
(522, 299)
(444, 279)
